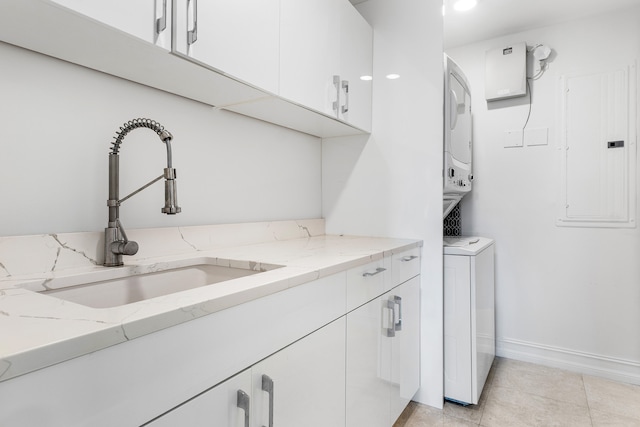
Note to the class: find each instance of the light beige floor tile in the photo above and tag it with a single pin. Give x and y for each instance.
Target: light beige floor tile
(604, 419)
(472, 413)
(417, 415)
(492, 371)
(542, 381)
(449, 421)
(406, 414)
(523, 394)
(421, 416)
(514, 408)
(613, 397)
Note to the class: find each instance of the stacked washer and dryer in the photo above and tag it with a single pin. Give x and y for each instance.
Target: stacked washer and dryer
(469, 311)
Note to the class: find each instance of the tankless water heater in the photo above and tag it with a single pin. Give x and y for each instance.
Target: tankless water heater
(505, 73)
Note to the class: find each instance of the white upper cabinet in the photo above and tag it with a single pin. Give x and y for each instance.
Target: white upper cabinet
(325, 46)
(310, 52)
(356, 68)
(293, 63)
(149, 20)
(238, 38)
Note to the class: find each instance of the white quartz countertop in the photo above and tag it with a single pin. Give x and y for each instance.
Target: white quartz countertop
(39, 330)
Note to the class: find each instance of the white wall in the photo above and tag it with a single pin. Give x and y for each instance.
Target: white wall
(390, 184)
(567, 297)
(58, 121)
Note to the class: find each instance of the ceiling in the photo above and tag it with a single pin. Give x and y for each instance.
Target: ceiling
(495, 18)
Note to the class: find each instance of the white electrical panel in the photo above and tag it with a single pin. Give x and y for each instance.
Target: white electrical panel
(506, 72)
(598, 149)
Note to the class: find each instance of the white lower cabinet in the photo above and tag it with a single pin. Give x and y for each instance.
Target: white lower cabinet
(383, 355)
(308, 382)
(405, 348)
(339, 351)
(301, 385)
(215, 407)
(368, 391)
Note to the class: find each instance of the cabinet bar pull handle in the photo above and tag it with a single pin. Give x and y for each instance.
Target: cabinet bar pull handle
(244, 404)
(345, 86)
(192, 35)
(336, 103)
(267, 385)
(373, 273)
(391, 331)
(161, 23)
(408, 258)
(398, 325)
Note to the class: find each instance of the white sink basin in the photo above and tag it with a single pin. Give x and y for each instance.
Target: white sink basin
(102, 290)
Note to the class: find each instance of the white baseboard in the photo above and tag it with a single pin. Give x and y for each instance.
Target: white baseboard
(627, 371)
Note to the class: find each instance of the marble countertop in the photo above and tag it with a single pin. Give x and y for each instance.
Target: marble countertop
(40, 330)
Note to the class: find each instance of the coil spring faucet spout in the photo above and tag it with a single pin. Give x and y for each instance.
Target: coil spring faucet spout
(116, 243)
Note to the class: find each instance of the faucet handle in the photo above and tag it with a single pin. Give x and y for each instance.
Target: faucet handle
(124, 248)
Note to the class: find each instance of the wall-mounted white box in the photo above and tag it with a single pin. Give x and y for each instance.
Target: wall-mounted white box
(513, 138)
(536, 136)
(505, 74)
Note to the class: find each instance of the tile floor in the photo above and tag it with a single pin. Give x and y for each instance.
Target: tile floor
(524, 394)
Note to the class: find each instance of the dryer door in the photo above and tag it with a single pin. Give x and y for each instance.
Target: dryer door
(457, 131)
(460, 110)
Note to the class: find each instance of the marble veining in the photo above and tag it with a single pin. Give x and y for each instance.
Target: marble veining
(65, 246)
(39, 330)
(186, 241)
(3, 271)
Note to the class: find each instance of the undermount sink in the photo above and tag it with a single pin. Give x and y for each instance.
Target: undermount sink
(102, 290)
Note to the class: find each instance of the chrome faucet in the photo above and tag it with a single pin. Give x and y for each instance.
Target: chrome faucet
(116, 243)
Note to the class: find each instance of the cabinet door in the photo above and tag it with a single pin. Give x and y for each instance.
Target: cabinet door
(149, 20)
(457, 328)
(369, 365)
(218, 406)
(307, 382)
(405, 354)
(239, 38)
(356, 67)
(310, 52)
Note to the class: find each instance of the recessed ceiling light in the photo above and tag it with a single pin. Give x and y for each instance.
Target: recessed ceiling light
(393, 76)
(366, 78)
(464, 5)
